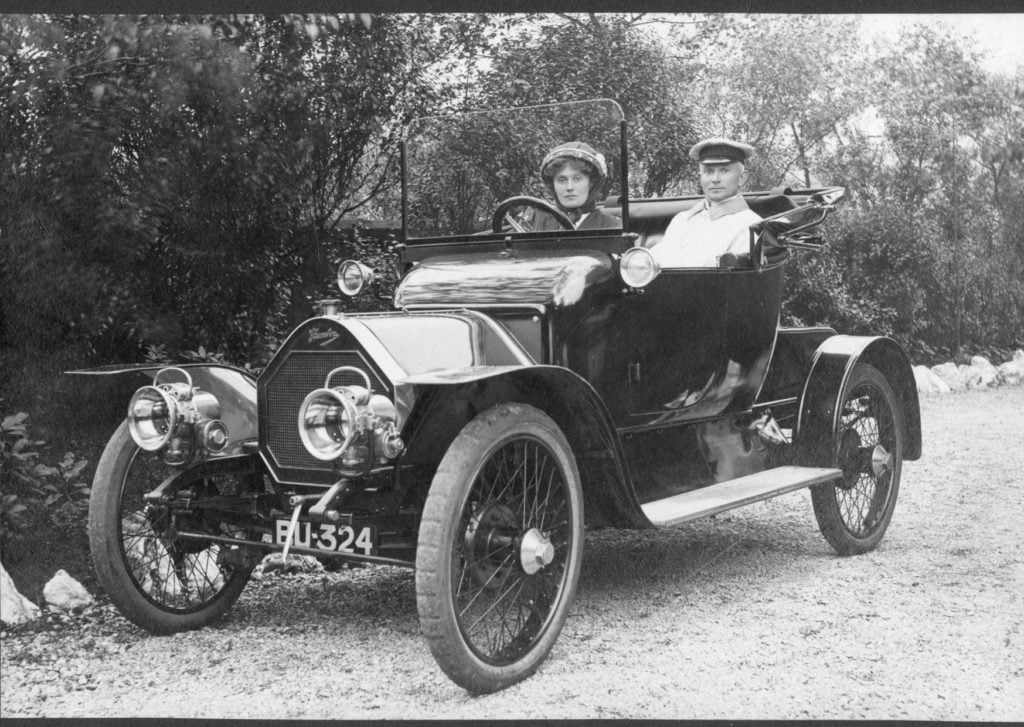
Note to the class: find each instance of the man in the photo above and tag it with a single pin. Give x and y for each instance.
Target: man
(719, 224)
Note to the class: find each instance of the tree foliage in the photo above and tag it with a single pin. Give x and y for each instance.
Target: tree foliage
(784, 84)
(926, 246)
(173, 183)
(950, 150)
(573, 57)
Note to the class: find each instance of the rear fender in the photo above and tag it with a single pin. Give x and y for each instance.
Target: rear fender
(820, 403)
(234, 388)
(449, 400)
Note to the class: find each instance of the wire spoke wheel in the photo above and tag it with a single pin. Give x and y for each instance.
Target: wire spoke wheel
(501, 606)
(160, 582)
(500, 548)
(854, 514)
(180, 576)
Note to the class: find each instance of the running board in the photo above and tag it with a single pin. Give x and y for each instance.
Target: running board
(723, 496)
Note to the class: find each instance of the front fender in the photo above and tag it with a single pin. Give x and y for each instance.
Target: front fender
(234, 388)
(820, 402)
(448, 400)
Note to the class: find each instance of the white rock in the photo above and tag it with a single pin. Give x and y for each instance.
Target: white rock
(949, 373)
(963, 373)
(149, 560)
(203, 573)
(14, 607)
(1011, 373)
(928, 382)
(980, 374)
(923, 384)
(938, 384)
(64, 592)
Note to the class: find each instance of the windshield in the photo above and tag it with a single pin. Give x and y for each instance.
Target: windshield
(459, 168)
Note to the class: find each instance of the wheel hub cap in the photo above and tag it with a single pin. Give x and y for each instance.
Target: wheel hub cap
(536, 551)
(881, 460)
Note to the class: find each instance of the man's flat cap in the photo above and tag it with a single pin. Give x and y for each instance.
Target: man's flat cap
(720, 151)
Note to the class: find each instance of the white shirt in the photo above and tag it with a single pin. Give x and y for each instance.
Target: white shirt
(697, 237)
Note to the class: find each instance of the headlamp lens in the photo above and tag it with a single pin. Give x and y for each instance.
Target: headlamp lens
(152, 417)
(638, 267)
(353, 277)
(325, 423)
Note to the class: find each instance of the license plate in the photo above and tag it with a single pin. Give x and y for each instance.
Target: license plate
(334, 538)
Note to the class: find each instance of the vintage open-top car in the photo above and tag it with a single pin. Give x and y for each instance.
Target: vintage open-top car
(528, 384)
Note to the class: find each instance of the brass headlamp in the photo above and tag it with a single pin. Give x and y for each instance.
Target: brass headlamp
(349, 424)
(176, 418)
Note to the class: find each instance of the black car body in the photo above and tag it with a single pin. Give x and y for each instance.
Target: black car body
(527, 384)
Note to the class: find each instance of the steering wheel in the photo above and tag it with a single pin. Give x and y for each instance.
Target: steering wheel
(544, 206)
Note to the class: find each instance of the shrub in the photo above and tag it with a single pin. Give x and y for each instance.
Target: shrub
(30, 488)
(17, 479)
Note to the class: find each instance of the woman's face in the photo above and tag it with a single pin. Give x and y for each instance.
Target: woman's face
(572, 185)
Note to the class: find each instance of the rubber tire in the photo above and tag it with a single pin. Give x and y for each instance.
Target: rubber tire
(105, 545)
(825, 497)
(435, 554)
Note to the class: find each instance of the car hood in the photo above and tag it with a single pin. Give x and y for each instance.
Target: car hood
(558, 280)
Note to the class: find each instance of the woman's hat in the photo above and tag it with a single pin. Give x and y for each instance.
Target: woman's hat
(575, 150)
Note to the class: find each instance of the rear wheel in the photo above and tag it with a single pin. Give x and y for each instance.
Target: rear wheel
(161, 583)
(500, 548)
(854, 513)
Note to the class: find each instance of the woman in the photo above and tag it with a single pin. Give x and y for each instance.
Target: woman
(575, 174)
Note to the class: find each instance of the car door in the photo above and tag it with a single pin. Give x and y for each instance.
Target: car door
(754, 300)
(676, 346)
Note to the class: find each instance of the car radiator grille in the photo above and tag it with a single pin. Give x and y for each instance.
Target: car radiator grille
(301, 373)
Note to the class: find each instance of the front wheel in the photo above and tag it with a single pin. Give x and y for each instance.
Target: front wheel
(161, 583)
(500, 548)
(854, 513)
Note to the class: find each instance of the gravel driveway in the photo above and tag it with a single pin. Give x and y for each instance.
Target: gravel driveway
(746, 616)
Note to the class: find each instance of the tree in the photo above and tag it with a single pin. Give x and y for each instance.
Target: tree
(783, 84)
(175, 178)
(925, 143)
(621, 57)
(1001, 153)
(939, 104)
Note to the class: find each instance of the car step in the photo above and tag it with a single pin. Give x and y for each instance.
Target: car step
(723, 496)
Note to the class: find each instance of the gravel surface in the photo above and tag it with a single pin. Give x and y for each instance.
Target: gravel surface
(746, 616)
